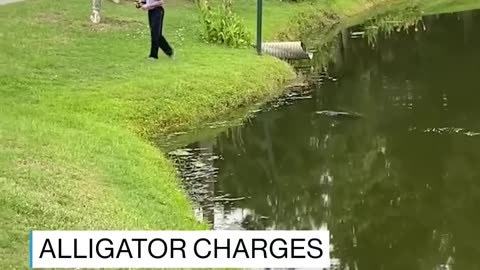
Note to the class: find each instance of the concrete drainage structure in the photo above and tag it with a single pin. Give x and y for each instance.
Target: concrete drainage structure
(294, 50)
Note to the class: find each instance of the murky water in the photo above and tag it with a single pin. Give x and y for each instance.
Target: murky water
(385, 153)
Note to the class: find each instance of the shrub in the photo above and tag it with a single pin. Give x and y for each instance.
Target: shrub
(222, 26)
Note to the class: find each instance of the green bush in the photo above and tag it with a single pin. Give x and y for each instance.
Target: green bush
(220, 25)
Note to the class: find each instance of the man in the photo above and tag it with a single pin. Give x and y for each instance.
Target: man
(155, 19)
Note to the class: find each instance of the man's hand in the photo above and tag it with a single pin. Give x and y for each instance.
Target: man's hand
(146, 7)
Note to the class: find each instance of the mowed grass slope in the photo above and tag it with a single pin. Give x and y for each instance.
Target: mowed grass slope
(78, 102)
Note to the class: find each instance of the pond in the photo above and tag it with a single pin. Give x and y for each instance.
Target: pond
(384, 151)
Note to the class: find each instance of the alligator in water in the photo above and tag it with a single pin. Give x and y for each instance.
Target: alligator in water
(344, 115)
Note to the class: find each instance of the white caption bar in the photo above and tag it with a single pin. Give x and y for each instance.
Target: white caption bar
(179, 249)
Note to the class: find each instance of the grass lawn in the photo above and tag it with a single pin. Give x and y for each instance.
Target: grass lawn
(447, 6)
(78, 103)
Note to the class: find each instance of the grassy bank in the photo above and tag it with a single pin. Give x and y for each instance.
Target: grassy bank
(78, 102)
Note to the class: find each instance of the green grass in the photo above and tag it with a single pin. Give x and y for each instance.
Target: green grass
(79, 102)
(447, 6)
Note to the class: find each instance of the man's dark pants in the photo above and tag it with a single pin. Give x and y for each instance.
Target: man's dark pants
(155, 18)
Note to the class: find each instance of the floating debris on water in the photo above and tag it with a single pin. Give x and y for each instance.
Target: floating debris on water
(357, 34)
(213, 158)
(287, 99)
(229, 199)
(218, 124)
(448, 130)
(180, 152)
(179, 133)
(470, 133)
(199, 164)
(255, 111)
(301, 97)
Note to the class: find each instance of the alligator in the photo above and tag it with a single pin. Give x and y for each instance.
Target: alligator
(345, 115)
